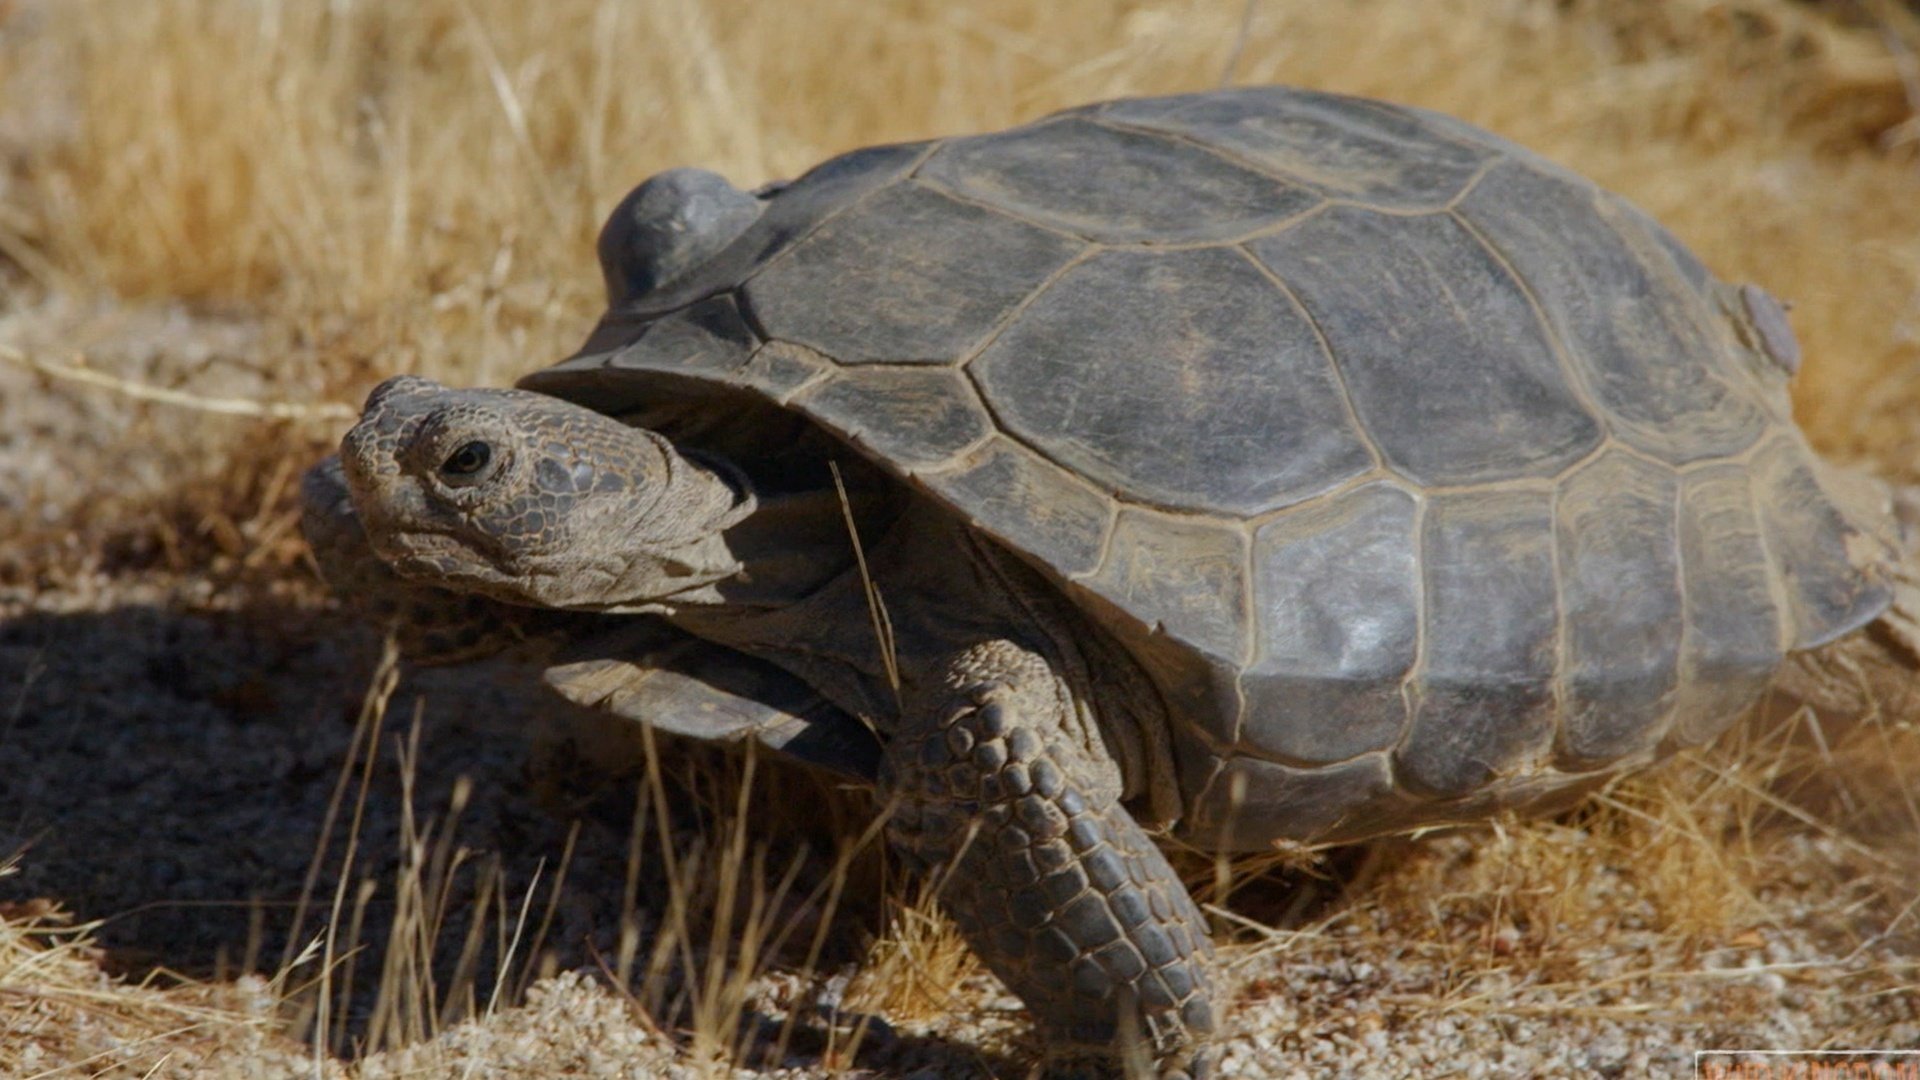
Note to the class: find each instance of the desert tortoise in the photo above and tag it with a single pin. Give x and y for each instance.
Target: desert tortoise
(1241, 466)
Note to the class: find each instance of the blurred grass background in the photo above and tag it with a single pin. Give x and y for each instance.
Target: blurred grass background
(416, 186)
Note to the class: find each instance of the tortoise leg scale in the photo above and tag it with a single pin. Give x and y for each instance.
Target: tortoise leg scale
(1053, 883)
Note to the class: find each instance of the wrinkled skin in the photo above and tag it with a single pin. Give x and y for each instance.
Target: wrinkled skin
(526, 519)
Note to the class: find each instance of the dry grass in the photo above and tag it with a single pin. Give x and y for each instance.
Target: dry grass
(1733, 860)
(387, 187)
(705, 915)
(64, 1017)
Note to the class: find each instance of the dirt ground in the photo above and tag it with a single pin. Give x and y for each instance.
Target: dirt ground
(235, 842)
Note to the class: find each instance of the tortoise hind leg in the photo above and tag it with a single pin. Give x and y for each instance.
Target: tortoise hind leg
(1053, 883)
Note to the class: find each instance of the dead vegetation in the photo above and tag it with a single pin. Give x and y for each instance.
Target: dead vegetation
(212, 200)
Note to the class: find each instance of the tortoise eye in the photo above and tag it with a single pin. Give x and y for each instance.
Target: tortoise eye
(467, 461)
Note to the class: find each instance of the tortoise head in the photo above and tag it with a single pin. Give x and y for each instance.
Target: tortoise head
(667, 227)
(532, 500)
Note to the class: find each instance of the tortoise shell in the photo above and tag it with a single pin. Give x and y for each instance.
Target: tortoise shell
(1423, 476)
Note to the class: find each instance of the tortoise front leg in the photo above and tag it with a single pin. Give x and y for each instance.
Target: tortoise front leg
(1053, 883)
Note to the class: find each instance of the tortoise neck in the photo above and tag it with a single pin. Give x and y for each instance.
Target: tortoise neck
(792, 545)
(941, 589)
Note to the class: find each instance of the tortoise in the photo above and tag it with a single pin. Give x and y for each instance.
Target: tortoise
(1236, 467)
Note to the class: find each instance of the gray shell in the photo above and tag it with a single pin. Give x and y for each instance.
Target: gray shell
(1423, 475)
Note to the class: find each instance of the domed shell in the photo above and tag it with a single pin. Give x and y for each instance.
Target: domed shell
(1423, 475)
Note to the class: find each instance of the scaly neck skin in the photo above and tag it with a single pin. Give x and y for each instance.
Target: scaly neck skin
(794, 544)
(802, 601)
(803, 604)
(781, 550)
(797, 598)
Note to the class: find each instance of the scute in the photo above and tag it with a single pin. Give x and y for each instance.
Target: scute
(781, 369)
(1735, 632)
(1344, 147)
(1634, 339)
(1186, 575)
(916, 417)
(1252, 802)
(1449, 369)
(909, 275)
(1111, 186)
(706, 342)
(1483, 702)
(708, 336)
(1180, 378)
(1813, 547)
(1336, 605)
(1029, 503)
(1619, 570)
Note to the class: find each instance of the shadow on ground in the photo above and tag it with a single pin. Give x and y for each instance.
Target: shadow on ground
(171, 773)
